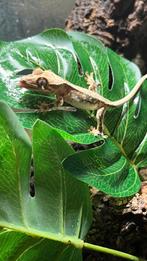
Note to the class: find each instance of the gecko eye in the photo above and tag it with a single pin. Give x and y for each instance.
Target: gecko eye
(42, 83)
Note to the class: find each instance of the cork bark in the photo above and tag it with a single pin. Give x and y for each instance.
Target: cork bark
(121, 25)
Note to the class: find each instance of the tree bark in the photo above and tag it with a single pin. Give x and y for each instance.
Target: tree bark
(121, 25)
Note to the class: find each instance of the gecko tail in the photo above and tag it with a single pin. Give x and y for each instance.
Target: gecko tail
(131, 94)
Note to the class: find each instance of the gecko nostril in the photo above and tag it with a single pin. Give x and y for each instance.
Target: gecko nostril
(42, 83)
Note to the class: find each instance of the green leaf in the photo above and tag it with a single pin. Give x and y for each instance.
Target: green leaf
(13, 244)
(15, 158)
(105, 168)
(59, 187)
(54, 221)
(51, 49)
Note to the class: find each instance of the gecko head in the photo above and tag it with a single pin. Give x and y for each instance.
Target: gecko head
(38, 80)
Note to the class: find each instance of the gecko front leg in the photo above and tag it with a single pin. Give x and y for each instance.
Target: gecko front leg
(44, 106)
(91, 82)
(47, 107)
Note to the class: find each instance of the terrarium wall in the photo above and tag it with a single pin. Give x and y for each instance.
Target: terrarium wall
(22, 18)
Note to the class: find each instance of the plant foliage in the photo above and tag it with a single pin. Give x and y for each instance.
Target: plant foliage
(112, 166)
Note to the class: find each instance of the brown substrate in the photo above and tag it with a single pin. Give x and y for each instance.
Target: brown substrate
(123, 228)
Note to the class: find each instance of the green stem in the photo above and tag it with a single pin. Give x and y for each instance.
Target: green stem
(112, 252)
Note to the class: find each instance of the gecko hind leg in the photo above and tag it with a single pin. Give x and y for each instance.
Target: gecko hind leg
(59, 101)
(91, 82)
(100, 119)
(45, 107)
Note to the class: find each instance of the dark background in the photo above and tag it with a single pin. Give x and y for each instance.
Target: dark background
(22, 18)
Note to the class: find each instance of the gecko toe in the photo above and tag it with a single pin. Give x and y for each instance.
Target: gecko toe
(96, 132)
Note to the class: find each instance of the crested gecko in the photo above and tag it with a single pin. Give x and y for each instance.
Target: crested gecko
(86, 99)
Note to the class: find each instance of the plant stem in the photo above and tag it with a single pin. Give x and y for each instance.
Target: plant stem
(112, 252)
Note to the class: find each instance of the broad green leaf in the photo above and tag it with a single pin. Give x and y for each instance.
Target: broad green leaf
(15, 158)
(58, 184)
(13, 244)
(72, 126)
(46, 51)
(54, 221)
(125, 75)
(105, 168)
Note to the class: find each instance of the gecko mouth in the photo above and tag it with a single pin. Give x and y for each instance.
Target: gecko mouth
(33, 87)
(23, 84)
